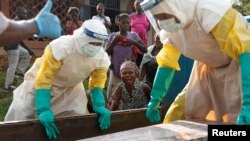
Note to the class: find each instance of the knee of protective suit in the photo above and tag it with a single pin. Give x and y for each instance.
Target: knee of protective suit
(177, 109)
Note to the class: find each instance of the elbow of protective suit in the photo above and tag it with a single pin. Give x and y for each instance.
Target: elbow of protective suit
(163, 79)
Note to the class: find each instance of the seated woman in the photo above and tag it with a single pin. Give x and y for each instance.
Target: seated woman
(131, 92)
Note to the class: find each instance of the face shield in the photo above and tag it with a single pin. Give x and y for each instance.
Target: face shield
(93, 48)
(169, 15)
(153, 21)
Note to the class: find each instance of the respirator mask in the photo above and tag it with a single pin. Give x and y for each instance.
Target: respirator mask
(91, 50)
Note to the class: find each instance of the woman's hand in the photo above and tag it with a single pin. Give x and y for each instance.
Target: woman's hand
(120, 39)
(130, 42)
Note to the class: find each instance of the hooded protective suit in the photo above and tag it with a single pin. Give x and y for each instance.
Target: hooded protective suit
(215, 36)
(61, 70)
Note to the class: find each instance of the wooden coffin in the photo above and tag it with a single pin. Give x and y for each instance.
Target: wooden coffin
(75, 128)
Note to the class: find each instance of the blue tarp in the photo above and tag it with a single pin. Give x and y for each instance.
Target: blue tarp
(247, 18)
(179, 81)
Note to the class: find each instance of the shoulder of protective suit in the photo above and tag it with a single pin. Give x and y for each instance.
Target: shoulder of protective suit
(210, 12)
(62, 46)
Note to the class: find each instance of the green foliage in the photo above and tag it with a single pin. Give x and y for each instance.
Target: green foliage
(5, 98)
(243, 6)
(4, 106)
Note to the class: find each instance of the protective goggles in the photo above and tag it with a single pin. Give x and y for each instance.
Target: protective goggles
(95, 35)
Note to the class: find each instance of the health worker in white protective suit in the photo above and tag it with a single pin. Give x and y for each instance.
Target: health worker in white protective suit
(217, 38)
(53, 86)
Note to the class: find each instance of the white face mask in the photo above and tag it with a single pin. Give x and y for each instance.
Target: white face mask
(91, 50)
(170, 25)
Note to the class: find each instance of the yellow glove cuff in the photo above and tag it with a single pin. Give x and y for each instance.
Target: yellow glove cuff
(168, 57)
(98, 78)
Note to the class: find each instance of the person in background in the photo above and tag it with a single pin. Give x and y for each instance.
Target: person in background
(119, 47)
(140, 25)
(45, 24)
(132, 92)
(217, 37)
(149, 65)
(19, 56)
(100, 8)
(53, 86)
(74, 22)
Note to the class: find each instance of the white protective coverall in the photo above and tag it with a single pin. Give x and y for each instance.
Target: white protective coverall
(71, 67)
(214, 35)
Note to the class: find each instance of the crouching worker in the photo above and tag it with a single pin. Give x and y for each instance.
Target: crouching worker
(218, 40)
(53, 86)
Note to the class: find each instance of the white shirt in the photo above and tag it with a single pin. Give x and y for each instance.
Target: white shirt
(97, 17)
(3, 23)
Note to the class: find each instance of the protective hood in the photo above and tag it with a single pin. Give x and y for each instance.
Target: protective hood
(90, 31)
(185, 10)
